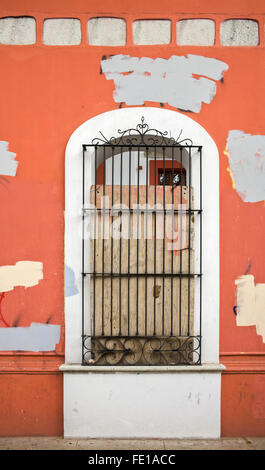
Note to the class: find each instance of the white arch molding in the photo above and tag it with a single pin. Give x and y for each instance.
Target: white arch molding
(81, 381)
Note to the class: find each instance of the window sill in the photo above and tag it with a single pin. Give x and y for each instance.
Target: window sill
(208, 367)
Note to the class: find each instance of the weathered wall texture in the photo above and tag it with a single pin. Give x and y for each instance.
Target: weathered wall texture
(151, 32)
(109, 31)
(60, 68)
(106, 32)
(17, 31)
(61, 32)
(200, 32)
(239, 33)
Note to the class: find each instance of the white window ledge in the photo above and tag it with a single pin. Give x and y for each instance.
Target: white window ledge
(208, 367)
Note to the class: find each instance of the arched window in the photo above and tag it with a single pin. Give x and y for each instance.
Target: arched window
(141, 216)
(198, 173)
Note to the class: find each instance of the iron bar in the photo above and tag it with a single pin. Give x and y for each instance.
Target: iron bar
(95, 234)
(129, 237)
(111, 241)
(189, 243)
(180, 235)
(120, 252)
(146, 236)
(164, 235)
(141, 274)
(83, 250)
(172, 240)
(117, 211)
(137, 242)
(155, 155)
(103, 237)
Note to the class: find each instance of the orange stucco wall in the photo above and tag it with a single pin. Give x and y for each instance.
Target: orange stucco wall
(46, 93)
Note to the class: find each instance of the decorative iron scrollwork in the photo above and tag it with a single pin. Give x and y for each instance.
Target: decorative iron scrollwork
(142, 135)
(156, 350)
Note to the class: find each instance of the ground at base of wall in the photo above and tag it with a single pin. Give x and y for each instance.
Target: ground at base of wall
(59, 443)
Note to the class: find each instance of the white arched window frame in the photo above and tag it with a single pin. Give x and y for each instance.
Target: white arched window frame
(172, 122)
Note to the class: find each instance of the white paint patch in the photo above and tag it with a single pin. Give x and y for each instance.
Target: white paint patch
(23, 273)
(169, 81)
(251, 304)
(246, 154)
(37, 337)
(8, 164)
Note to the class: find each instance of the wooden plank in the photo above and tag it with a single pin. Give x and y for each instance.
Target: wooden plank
(156, 311)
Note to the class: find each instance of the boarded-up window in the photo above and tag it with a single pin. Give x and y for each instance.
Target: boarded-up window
(142, 256)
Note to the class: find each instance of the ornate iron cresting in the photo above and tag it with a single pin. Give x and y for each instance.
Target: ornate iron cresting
(115, 350)
(142, 135)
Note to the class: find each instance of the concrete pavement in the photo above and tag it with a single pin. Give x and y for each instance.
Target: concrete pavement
(59, 443)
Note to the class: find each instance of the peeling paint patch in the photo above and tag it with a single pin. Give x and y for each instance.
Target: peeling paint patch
(246, 155)
(23, 273)
(37, 337)
(169, 81)
(8, 164)
(69, 280)
(251, 304)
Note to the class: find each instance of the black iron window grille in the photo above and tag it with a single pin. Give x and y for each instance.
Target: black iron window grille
(142, 260)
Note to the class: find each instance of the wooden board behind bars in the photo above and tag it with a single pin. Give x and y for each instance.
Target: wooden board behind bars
(157, 310)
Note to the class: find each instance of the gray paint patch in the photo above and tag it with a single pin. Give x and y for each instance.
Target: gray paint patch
(169, 81)
(69, 281)
(246, 154)
(37, 337)
(8, 164)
